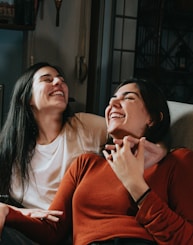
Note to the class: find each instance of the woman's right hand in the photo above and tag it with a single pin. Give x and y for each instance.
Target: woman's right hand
(52, 215)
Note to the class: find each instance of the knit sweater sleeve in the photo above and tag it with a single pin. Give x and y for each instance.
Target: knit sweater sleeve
(40, 231)
(172, 223)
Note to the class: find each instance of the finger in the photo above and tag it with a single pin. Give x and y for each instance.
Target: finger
(107, 155)
(49, 217)
(133, 141)
(109, 158)
(52, 218)
(44, 214)
(109, 147)
(55, 212)
(118, 141)
(37, 215)
(127, 143)
(117, 147)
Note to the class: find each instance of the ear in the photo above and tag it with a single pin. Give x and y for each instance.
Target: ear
(150, 123)
(161, 116)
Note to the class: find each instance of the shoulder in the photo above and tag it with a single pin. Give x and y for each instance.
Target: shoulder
(89, 157)
(90, 128)
(182, 159)
(181, 153)
(87, 120)
(87, 160)
(90, 118)
(92, 124)
(82, 118)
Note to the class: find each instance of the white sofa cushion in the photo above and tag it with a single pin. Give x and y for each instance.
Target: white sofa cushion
(181, 124)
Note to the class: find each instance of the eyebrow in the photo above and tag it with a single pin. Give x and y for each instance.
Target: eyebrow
(45, 75)
(49, 75)
(128, 92)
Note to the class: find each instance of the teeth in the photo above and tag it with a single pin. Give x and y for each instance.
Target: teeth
(116, 115)
(58, 93)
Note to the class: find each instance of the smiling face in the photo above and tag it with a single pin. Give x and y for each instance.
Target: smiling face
(49, 91)
(126, 113)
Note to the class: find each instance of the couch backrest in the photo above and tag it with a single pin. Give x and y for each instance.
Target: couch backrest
(181, 124)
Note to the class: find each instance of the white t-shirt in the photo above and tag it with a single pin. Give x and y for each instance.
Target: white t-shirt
(49, 163)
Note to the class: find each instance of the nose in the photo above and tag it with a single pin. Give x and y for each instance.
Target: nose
(115, 101)
(57, 81)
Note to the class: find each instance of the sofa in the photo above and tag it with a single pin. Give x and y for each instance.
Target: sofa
(181, 124)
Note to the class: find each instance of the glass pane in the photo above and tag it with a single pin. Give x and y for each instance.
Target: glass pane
(118, 33)
(131, 8)
(116, 65)
(119, 7)
(129, 34)
(127, 65)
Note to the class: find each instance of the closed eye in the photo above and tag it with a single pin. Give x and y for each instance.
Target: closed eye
(48, 80)
(61, 78)
(129, 98)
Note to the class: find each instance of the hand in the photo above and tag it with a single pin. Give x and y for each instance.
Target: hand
(4, 210)
(52, 215)
(129, 166)
(153, 152)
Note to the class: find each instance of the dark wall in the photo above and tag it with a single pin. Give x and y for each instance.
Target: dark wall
(11, 63)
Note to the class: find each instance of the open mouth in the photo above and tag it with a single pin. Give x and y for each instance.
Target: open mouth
(116, 115)
(56, 93)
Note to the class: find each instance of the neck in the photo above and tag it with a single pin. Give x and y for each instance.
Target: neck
(49, 128)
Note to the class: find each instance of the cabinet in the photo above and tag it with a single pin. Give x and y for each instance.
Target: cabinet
(17, 17)
(18, 14)
(164, 46)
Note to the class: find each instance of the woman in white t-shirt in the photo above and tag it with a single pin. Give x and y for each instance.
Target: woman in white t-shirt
(41, 136)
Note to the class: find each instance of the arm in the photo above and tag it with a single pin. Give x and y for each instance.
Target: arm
(164, 224)
(175, 224)
(171, 224)
(95, 131)
(52, 215)
(41, 228)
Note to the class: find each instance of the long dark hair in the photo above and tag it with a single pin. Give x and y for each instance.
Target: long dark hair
(20, 130)
(157, 107)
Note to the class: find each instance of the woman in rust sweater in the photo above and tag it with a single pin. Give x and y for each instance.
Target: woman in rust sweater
(117, 199)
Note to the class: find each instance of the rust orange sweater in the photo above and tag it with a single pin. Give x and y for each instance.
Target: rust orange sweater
(100, 208)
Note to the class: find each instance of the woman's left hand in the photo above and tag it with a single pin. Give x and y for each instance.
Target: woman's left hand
(52, 215)
(153, 152)
(129, 166)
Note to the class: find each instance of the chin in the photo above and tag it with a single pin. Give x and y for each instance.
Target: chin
(113, 133)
